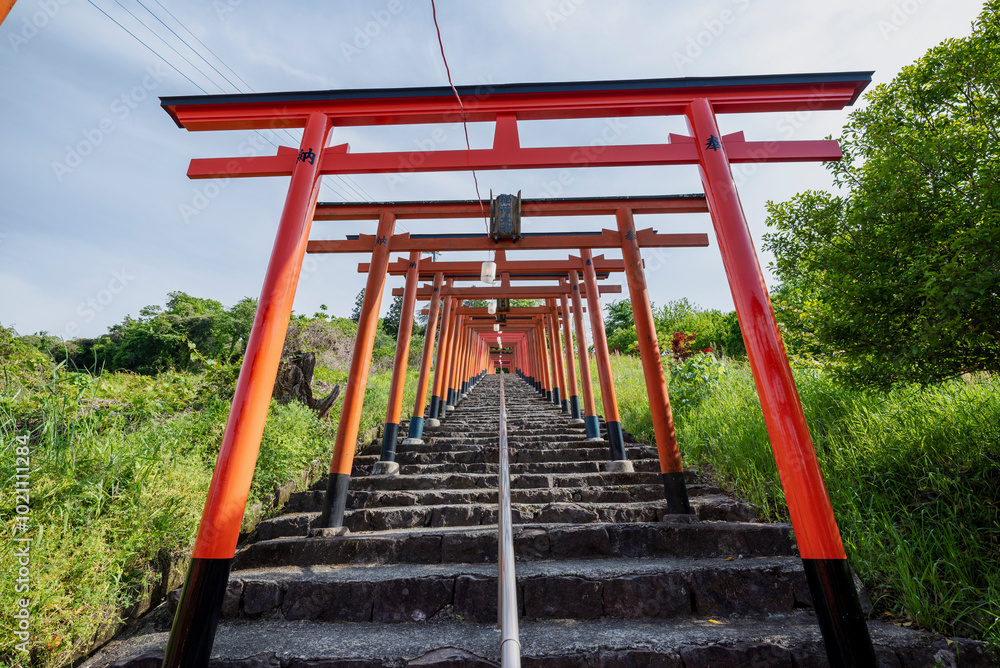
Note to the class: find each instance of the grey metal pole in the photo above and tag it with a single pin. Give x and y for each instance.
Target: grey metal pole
(510, 645)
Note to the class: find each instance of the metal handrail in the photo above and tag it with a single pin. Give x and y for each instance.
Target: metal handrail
(510, 644)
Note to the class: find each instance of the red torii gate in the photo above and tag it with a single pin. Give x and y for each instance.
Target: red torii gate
(451, 379)
(697, 99)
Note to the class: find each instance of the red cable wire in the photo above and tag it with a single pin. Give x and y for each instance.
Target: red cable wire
(461, 106)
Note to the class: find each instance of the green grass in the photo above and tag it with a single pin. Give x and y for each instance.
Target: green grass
(120, 465)
(914, 478)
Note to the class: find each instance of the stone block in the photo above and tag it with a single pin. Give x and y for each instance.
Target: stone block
(580, 542)
(328, 601)
(260, 597)
(476, 598)
(265, 660)
(532, 544)
(411, 599)
(562, 598)
(464, 549)
(450, 657)
(729, 591)
(659, 596)
(638, 658)
(231, 602)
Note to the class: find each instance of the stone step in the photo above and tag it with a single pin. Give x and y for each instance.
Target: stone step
(720, 508)
(601, 584)
(544, 467)
(522, 481)
(675, 537)
(405, 456)
(777, 640)
(549, 431)
(627, 589)
(312, 500)
(633, 450)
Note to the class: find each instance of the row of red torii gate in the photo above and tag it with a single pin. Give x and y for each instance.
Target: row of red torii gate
(535, 342)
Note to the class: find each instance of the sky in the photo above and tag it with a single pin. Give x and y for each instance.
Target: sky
(97, 217)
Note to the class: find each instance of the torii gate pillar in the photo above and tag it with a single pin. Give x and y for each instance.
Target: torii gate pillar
(591, 425)
(197, 617)
(830, 580)
(415, 435)
(574, 398)
(390, 432)
(350, 412)
(652, 369)
(616, 440)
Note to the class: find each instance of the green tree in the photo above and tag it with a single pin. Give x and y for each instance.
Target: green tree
(619, 316)
(359, 303)
(624, 340)
(903, 265)
(166, 337)
(240, 322)
(393, 319)
(710, 327)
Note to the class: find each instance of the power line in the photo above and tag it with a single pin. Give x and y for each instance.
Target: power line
(196, 68)
(169, 46)
(183, 41)
(176, 20)
(151, 49)
(350, 186)
(461, 106)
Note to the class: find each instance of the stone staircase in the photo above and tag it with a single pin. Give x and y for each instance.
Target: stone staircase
(606, 578)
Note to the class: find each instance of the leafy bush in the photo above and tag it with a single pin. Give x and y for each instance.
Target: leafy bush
(901, 264)
(693, 379)
(913, 476)
(712, 329)
(182, 336)
(708, 328)
(624, 340)
(120, 463)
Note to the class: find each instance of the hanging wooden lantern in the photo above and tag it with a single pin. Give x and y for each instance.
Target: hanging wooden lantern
(505, 217)
(503, 304)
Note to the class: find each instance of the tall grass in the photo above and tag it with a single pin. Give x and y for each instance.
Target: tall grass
(120, 464)
(913, 475)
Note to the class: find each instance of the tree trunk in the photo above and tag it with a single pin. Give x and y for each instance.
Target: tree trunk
(294, 381)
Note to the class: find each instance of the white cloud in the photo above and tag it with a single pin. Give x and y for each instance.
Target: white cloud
(121, 205)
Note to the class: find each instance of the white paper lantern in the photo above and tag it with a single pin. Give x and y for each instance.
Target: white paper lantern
(491, 308)
(496, 327)
(489, 271)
